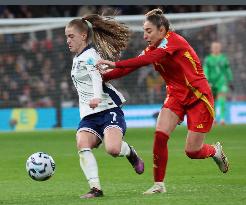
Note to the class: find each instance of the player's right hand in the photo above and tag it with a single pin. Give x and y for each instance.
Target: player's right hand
(94, 102)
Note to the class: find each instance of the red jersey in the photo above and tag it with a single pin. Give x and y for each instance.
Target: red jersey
(177, 63)
(180, 67)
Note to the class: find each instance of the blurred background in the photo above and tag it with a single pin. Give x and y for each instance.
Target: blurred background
(36, 90)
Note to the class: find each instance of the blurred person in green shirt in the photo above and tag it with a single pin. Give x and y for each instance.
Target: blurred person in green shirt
(218, 72)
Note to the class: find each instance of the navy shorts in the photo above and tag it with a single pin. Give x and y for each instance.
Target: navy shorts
(97, 123)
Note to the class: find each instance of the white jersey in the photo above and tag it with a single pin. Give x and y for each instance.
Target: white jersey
(88, 82)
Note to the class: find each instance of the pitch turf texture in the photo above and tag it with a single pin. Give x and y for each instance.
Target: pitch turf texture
(191, 182)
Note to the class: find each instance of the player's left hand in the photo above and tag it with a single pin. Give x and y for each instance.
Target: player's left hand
(94, 102)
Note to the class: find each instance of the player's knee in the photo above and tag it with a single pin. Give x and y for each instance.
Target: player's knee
(79, 144)
(113, 151)
(82, 142)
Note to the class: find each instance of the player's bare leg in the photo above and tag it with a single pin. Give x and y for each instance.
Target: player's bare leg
(196, 149)
(116, 147)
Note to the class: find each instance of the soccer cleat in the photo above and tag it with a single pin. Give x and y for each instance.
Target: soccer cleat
(93, 193)
(136, 162)
(156, 188)
(220, 158)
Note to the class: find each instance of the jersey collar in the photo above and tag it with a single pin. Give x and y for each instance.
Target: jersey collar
(85, 49)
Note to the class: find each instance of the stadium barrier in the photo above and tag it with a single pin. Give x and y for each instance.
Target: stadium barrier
(136, 116)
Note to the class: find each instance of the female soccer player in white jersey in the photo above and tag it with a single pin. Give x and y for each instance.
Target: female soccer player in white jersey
(91, 38)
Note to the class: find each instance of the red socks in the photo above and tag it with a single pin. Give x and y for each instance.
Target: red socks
(160, 155)
(205, 152)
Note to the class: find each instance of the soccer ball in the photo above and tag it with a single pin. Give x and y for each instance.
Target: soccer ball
(40, 166)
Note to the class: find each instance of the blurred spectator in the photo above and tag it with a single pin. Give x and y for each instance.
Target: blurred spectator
(41, 99)
(155, 86)
(86, 10)
(109, 11)
(7, 13)
(13, 123)
(25, 97)
(25, 12)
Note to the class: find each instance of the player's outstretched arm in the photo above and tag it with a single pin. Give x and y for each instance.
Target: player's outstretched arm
(102, 62)
(117, 73)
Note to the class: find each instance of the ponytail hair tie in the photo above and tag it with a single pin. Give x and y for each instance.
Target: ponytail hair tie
(88, 24)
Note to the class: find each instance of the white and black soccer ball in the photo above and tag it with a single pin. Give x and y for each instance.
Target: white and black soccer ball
(40, 166)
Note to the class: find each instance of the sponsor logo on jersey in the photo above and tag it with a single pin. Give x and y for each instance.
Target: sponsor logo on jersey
(79, 64)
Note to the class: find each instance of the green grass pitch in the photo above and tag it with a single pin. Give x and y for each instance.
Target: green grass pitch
(191, 182)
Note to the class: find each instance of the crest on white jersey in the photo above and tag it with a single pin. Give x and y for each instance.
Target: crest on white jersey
(90, 61)
(163, 43)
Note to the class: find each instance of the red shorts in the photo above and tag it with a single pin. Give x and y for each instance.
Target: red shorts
(199, 117)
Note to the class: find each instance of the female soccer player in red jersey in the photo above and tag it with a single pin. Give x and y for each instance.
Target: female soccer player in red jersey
(188, 93)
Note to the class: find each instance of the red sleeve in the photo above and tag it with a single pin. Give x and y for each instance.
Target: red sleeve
(143, 60)
(117, 73)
